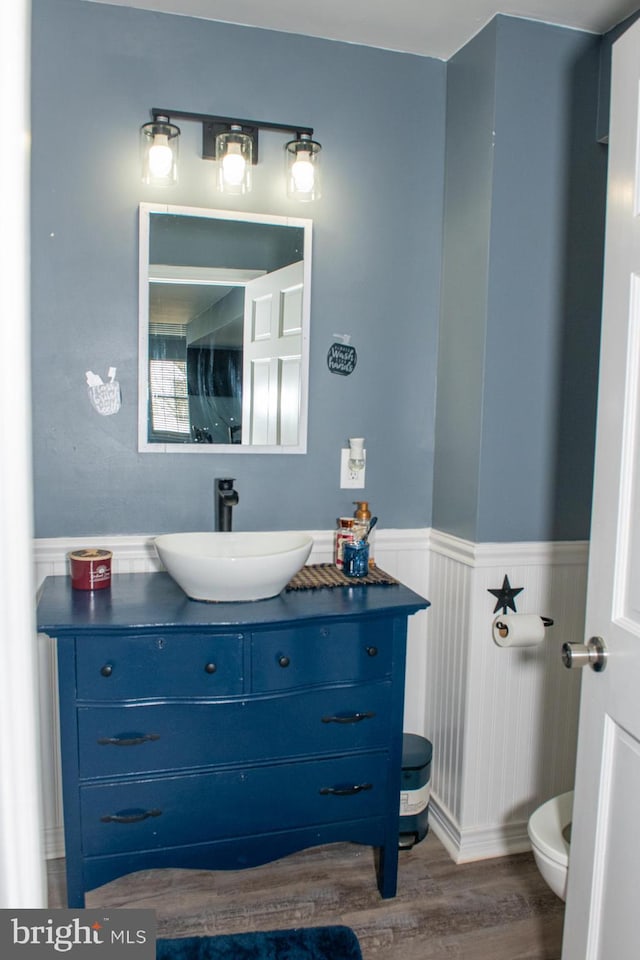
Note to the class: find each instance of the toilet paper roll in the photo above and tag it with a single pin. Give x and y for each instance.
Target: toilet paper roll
(518, 630)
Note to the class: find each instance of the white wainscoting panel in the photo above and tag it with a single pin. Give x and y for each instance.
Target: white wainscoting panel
(503, 722)
(402, 553)
(446, 690)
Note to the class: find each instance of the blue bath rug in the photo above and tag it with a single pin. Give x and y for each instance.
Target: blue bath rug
(305, 943)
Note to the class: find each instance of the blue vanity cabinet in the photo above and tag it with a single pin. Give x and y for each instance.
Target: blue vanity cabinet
(221, 736)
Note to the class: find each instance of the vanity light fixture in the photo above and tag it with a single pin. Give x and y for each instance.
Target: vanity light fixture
(233, 144)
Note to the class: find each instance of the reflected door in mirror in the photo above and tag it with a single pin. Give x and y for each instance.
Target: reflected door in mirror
(272, 356)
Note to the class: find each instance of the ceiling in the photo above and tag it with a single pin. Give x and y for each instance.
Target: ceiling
(433, 28)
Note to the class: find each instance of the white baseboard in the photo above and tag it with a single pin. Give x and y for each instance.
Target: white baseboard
(466, 846)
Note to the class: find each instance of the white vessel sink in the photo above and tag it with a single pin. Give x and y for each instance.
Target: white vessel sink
(233, 566)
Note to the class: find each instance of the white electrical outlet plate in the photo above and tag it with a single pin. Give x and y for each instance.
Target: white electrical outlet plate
(352, 479)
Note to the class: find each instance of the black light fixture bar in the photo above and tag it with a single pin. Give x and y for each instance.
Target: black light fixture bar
(212, 126)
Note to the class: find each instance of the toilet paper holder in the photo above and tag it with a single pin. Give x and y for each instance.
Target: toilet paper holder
(520, 630)
(547, 621)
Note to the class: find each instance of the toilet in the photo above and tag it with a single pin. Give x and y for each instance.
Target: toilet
(549, 832)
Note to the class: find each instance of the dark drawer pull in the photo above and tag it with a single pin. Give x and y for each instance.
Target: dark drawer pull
(107, 670)
(372, 651)
(130, 817)
(284, 661)
(353, 718)
(345, 791)
(127, 741)
(210, 668)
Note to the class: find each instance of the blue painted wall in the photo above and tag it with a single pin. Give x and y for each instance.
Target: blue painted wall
(522, 286)
(466, 243)
(97, 72)
(509, 454)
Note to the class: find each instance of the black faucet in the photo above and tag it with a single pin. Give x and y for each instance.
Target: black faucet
(226, 499)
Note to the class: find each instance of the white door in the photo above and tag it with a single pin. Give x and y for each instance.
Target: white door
(272, 357)
(603, 910)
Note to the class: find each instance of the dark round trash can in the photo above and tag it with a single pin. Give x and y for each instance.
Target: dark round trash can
(415, 789)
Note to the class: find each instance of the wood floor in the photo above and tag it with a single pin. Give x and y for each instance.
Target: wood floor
(489, 910)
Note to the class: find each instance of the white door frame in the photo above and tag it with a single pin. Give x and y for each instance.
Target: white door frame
(22, 869)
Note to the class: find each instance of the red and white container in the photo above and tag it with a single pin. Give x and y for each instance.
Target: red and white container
(344, 534)
(90, 569)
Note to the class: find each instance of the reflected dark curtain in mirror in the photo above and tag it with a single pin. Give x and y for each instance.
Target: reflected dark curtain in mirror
(214, 378)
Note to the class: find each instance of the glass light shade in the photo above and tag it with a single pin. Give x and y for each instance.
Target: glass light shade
(234, 154)
(303, 168)
(159, 147)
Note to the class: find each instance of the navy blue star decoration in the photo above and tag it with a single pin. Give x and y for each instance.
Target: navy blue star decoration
(506, 596)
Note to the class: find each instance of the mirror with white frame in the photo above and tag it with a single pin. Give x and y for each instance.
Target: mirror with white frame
(224, 313)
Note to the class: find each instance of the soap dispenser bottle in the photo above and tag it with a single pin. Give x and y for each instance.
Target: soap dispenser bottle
(362, 517)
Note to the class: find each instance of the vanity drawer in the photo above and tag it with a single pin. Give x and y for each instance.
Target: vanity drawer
(321, 653)
(165, 812)
(136, 739)
(169, 665)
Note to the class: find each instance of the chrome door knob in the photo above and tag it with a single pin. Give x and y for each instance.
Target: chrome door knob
(593, 654)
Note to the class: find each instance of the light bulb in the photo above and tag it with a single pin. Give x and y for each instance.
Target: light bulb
(160, 156)
(159, 152)
(233, 166)
(302, 172)
(234, 153)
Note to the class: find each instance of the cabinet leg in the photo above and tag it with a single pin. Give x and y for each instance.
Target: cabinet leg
(75, 901)
(75, 888)
(387, 869)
